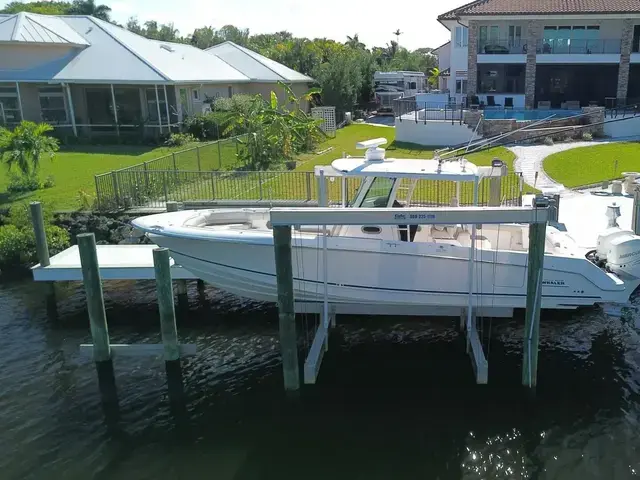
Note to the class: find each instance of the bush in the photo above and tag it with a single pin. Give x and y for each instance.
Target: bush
(208, 126)
(587, 137)
(49, 182)
(548, 141)
(18, 245)
(180, 139)
(21, 183)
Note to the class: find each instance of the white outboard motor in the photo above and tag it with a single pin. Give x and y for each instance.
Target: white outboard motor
(618, 249)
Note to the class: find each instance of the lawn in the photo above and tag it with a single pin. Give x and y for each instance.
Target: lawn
(346, 139)
(589, 165)
(73, 169)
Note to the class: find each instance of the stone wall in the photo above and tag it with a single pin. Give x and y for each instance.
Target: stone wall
(533, 28)
(471, 118)
(491, 128)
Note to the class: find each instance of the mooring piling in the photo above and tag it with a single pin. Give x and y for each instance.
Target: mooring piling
(42, 251)
(183, 297)
(166, 306)
(537, 233)
(97, 317)
(286, 312)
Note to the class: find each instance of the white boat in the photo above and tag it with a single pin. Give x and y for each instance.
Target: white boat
(399, 269)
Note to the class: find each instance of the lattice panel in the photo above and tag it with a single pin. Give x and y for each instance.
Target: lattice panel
(328, 117)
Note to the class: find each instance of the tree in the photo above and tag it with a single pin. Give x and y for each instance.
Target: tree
(434, 77)
(354, 42)
(25, 145)
(204, 37)
(89, 7)
(41, 7)
(239, 36)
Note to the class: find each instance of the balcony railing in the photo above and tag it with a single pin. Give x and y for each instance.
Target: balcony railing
(502, 47)
(579, 47)
(550, 46)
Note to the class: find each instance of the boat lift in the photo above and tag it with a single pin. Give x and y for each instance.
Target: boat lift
(282, 219)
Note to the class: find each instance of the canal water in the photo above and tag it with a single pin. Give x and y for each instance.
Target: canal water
(396, 397)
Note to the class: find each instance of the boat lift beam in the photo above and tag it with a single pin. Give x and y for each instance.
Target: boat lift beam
(282, 219)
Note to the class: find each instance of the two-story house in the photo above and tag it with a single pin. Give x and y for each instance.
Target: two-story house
(558, 52)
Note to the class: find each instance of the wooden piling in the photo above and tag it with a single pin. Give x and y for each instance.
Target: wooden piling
(537, 233)
(183, 297)
(635, 218)
(95, 298)
(172, 206)
(42, 251)
(286, 312)
(164, 287)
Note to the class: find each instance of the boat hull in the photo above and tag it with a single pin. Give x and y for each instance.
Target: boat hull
(388, 274)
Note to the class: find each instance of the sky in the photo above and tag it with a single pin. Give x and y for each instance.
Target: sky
(373, 20)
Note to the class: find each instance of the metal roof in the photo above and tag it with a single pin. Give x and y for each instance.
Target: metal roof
(255, 66)
(31, 28)
(100, 52)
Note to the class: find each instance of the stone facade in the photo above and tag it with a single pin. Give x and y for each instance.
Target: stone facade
(471, 118)
(625, 60)
(533, 29)
(472, 68)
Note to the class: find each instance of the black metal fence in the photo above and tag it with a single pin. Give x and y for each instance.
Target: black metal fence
(124, 189)
(411, 110)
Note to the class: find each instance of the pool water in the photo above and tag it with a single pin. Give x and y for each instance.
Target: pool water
(521, 115)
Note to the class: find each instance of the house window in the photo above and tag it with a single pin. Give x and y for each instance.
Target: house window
(9, 106)
(230, 91)
(515, 36)
(462, 37)
(461, 86)
(196, 94)
(53, 107)
(152, 107)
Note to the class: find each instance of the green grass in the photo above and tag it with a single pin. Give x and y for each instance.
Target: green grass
(346, 139)
(589, 165)
(74, 168)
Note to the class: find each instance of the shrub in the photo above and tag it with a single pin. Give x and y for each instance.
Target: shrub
(179, 139)
(18, 245)
(22, 183)
(587, 137)
(49, 182)
(208, 126)
(548, 141)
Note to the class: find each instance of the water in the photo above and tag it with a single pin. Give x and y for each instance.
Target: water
(395, 399)
(521, 115)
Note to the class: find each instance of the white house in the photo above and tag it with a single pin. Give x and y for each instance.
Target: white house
(89, 77)
(558, 52)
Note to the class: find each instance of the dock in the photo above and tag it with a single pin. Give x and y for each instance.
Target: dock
(117, 262)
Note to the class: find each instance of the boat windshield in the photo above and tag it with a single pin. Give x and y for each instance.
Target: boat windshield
(379, 192)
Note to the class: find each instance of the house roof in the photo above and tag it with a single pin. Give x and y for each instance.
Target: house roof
(100, 52)
(542, 7)
(255, 66)
(30, 28)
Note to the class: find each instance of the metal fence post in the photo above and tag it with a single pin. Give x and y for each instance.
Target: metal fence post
(213, 186)
(308, 177)
(164, 186)
(98, 202)
(146, 176)
(173, 154)
(198, 156)
(260, 183)
(219, 155)
(116, 189)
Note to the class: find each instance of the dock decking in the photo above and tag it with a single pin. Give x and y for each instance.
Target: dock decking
(117, 262)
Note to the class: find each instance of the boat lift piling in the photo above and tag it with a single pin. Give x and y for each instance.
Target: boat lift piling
(635, 217)
(42, 251)
(283, 219)
(181, 284)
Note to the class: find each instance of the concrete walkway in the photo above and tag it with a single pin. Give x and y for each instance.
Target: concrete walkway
(529, 159)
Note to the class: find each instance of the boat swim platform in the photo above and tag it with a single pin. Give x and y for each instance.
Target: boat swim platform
(117, 262)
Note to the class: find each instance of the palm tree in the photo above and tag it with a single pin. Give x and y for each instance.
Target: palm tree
(397, 33)
(89, 7)
(434, 76)
(25, 145)
(354, 42)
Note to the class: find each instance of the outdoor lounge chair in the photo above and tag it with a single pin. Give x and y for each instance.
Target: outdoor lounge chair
(544, 105)
(491, 101)
(508, 102)
(572, 105)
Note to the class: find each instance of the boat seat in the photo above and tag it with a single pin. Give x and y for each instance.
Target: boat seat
(464, 237)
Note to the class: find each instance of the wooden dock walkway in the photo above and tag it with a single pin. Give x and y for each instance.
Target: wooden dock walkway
(117, 262)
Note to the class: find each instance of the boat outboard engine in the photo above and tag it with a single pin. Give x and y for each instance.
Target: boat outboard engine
(617, 249)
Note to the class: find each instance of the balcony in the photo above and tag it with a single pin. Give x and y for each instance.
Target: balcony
(502, 47)
(565, 46)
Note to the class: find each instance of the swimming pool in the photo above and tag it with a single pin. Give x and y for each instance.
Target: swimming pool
(521, 115)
